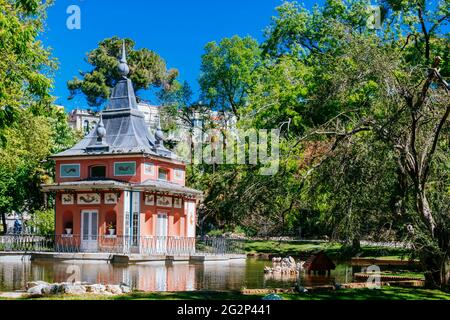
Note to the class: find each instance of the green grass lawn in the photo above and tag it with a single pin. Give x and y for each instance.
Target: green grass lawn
(386, 293)
(285, 247)
(334, 250)
(405, 273)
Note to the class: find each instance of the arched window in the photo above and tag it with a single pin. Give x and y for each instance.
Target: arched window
(111, 222)
(67, 223)
(97, 172)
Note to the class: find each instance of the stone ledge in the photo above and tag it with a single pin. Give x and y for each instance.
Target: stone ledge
(71, 256)
(120, 258)
(135, 258)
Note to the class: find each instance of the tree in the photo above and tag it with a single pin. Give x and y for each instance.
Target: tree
(44, 222)
(354, 189)
(389, 84)
(24, 84)
(20, 159)
(299, 32)
(226, 72)
(31, 127)
(147, 69)
(25, 63)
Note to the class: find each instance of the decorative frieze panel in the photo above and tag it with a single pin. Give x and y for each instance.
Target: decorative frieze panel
(162, 201)
(88, 198)
(69, 171)
(165, 201)
(177, 203)
(124, 168)
(149, 199)
(178, 174)
(67, 198)
(149, 169)
(110, 198)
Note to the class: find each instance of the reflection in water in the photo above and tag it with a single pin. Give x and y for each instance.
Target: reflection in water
(159, 276)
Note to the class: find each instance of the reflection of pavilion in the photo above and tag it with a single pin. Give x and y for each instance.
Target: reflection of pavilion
(157, 276)
(151, 276)
(163, 277)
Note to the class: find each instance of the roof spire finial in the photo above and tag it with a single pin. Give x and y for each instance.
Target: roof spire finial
(123, 66)
(159, 135)
(101, 131)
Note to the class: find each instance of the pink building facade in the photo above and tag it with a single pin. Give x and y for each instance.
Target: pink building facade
(120, 190)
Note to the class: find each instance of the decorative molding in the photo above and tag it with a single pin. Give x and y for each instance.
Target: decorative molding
(149, 168)
(177, 203)
(67, 198)
(88, 198)
(189, 208)
(122, 169)
(165, 202)
(71, 170)
(110, 198)
(178, 174)
(149, 199)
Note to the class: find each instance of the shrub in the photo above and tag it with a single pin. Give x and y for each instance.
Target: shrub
(43, 221)
(215, 233)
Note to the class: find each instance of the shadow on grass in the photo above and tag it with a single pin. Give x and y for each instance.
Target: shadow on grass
(386, 293)
(188, 295)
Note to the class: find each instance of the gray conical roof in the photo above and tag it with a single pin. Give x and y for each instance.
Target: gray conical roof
(126, 130)
(122, 96)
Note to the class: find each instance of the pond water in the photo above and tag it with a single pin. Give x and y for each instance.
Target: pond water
(161, 276)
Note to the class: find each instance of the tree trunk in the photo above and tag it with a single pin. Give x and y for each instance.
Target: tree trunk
(425, 211)
(356, 245)
(3, 215)
(436, 263)
(437, 273)
(446, 276)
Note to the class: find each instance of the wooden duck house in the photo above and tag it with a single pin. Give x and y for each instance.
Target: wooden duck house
(320, 263)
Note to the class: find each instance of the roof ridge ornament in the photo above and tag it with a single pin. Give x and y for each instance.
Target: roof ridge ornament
(124, 70)
(100, 144)
(159, 135)
(101, 131)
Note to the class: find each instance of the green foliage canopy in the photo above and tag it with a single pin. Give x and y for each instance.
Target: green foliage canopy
(147, 69)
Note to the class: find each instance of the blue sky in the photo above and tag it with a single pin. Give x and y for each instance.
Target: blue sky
(176, 29)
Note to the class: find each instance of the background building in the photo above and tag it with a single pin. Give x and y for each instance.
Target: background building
(83, 120)
(151, 114)
(86, 119)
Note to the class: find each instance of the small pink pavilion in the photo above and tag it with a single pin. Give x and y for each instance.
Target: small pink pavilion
(119, 189)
